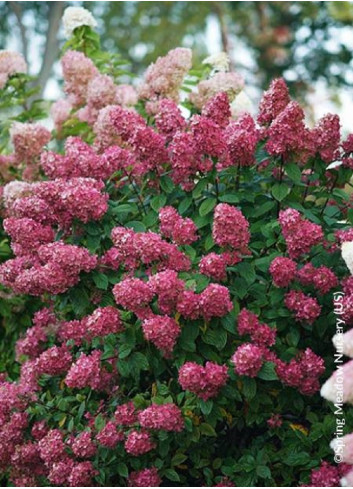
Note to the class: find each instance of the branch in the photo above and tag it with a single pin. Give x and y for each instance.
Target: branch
(225, 38)
(51, 50)
(17, 10)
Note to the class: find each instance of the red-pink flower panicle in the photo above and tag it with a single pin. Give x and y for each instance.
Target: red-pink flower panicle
(283, 271)
(205, 382)
(230, 228)
(165, 417)
(248, 360)
(162, 331)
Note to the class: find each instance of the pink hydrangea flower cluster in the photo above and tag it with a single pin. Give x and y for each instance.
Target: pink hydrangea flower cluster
(322, 278)
(214, 265)
(302, 372)
(54, 361)
(205, 382)
(283, 271)
(133, 294)
(325, 476)
(327, 137)
(168, 288)
(126, 95)
(86, 371)
(133, 249)
(60, 201)
(173, 226)
(125, 414)
(83, 445)
(218, 109)
(273, 101)
(214, 301)
(261, 334)
(144, 478)
(78, 71)
(11, 63)
(229, 83)
(305, 308)
(27, 234)
(275, 421)
(79, 160)
(60, 113)
(33, 342)
(169, 119)
(163, 78)
(28, 140)
(110, 435)
(248, 359)
(103, 321)
(225, 482)
(242, 137)
(165, 417)
(230, 228)
(55, 268)
(300, 234)
(139, 442)
(162, 331)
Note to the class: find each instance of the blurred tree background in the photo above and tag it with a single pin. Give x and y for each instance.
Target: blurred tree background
(305, 42)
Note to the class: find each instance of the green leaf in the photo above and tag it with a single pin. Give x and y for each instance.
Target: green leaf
(263, 471)
(249, 387)
(350, 215)
(172, 475)
(139, 359)
(124, 351)
(179, 458)
(217, 338)
(137, 226)
(166, 184)
(124, 208)
(268, 372)
(296, 459)
(184, 205)
(158, 201)
(207, 429)
(263, 209)
(294, 172)
(280, 191)
(122, 469)
(229, 198)
(209, 243)
(79, 300)
(207, 206)
(206, 406)
(246, 270)
(100, 280)
(150, 219)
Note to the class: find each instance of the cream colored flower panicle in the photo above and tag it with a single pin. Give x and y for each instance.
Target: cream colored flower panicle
(347, 254)
(218, 61)
(241, 105)
(75, 17)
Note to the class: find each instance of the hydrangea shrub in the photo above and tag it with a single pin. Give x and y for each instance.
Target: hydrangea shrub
(182, 262)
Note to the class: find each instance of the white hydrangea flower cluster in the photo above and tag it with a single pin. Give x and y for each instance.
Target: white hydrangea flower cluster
(75, 17)
(218, 61)
(347, 254)
(241, 105)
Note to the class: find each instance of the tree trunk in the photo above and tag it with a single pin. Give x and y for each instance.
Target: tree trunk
(17, 10)
(218, 9)
(51, 50)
